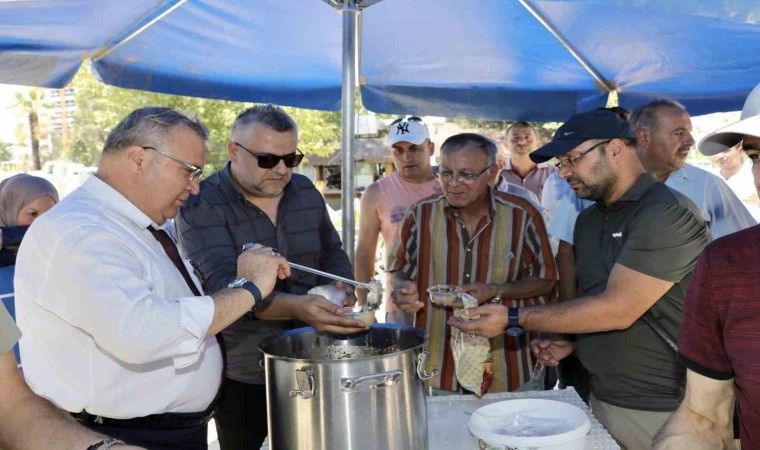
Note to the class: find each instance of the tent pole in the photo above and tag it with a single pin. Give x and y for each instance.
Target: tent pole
(348, 111)
(604, 84)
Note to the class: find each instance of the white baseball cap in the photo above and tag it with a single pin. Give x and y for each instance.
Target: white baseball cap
(726, 137)
(410, 129)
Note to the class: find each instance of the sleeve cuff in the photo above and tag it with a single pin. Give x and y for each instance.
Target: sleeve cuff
(196, 315)
(702, 370)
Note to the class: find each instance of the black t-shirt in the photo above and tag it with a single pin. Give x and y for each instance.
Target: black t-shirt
(657, 231)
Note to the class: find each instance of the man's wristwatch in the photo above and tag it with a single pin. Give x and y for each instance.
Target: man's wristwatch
(105, 444)
(249, 286)
(513, 325)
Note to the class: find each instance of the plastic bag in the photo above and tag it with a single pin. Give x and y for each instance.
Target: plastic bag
(472, 358)
(536, 382)
(523, 424)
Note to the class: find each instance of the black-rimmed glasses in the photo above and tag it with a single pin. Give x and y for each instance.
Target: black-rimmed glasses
(268, 160)
(465, 178)
(195, 171)
(571, 160)
(408, 119)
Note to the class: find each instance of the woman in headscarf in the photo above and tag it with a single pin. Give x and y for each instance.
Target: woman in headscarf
(23, 198)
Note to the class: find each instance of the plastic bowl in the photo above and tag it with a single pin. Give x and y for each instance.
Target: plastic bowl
(368, 317)
(570, 423)
(443, 294)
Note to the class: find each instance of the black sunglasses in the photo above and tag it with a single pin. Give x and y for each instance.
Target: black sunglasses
(408, 119)
(268, 160)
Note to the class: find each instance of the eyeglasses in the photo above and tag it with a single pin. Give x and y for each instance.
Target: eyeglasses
(408, 119)
(195, 171)
(570, 162)
(268, 160)
(465, 178)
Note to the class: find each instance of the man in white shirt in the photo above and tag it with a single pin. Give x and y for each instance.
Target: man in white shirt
(663, 142)
(736, 171)
(115, 329)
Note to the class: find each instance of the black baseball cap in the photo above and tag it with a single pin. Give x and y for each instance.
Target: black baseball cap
(596, 124)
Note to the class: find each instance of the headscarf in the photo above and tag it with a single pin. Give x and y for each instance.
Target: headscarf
(17, 192)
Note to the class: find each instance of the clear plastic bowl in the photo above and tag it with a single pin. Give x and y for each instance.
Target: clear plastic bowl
(443, 294)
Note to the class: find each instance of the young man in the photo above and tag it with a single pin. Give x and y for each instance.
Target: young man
(522, 139)
(385, 201)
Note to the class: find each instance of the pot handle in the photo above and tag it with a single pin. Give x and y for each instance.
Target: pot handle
(421, 362)
(305, 382)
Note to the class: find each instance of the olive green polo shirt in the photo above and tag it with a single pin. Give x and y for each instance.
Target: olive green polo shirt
(9, 332)
(657, 231)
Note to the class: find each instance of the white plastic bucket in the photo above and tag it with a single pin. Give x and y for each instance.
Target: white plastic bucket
(486, 425)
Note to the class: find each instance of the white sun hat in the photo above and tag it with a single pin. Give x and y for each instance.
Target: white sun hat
(726, 137)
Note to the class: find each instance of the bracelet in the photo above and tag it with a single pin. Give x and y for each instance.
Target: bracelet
(105, 444)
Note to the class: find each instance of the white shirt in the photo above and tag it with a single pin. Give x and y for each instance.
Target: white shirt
(721, 209)
(743, 185)
(109, 324)
(563, 206)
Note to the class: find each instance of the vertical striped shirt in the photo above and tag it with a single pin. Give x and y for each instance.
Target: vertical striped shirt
(434, 247)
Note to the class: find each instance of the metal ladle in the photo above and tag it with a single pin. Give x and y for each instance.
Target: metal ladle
(375, 288)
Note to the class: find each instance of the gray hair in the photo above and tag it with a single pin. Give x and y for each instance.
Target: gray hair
(150, 126)
(478, 141)
(645, 116)
(270, 116)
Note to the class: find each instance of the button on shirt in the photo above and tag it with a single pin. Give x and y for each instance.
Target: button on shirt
(109, 323)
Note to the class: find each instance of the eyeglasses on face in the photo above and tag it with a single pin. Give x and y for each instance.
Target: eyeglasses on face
(408, 119)
(268, 160)
(445, 176)
(571, 160)
(195, 171)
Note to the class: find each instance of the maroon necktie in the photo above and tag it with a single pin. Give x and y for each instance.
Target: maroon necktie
(171, 250)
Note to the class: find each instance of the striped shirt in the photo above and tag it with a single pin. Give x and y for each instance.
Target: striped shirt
(434, 247)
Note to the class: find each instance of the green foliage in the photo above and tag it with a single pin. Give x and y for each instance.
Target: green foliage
(6, 152)
(100, 107)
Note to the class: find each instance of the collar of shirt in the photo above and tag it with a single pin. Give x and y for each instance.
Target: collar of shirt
(115, 201)
(543, 165)
(633, 194)
(454, 212)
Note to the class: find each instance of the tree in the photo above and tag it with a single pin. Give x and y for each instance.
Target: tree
(100, 107)
(31, 103)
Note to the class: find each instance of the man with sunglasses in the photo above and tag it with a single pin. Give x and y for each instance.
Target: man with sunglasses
(635, 250)
(256, 197)
(116, 329)
(385, 201)
(490, 244)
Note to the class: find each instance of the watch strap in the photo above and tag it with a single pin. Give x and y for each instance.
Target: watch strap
(251, 287)
(105, 444)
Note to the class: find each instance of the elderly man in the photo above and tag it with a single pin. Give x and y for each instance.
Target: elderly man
(719, 342)
(635, 250)
(385, 201)
(491, 244)
(521, 139)
(116, 330)
(663, 142)
(256, 197)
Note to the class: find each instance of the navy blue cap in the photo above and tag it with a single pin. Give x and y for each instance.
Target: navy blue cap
(596, 124)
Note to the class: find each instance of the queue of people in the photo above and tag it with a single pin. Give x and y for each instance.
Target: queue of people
(142, 313)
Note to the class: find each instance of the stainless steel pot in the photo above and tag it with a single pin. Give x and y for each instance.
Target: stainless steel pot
(332, 393)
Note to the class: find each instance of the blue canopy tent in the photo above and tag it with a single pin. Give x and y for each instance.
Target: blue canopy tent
(507, 59)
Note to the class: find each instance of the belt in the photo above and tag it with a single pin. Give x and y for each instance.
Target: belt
(153, 421)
